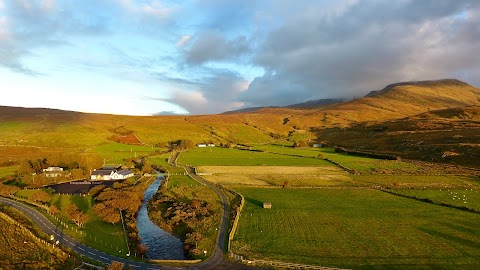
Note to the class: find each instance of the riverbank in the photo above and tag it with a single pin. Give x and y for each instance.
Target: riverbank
(160, 244)
(190, 211)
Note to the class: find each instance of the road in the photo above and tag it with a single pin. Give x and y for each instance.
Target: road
(48, 227)
(216, 259)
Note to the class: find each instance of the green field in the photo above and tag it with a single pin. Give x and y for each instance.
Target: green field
(419, 181)
(161, 160)
(181, 180)
(211, 156)
(95, 233)
(4, 171)
(358, 229)
(116, 153)
(458, 197)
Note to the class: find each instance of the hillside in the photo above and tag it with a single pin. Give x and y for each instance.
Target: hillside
(446, 136)
(34, 131)
(395, 101)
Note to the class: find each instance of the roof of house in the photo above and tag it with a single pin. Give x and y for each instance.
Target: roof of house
(102, 172)
(124, 172)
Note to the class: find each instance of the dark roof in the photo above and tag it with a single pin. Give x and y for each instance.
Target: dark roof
(124, 172)
(102, 172)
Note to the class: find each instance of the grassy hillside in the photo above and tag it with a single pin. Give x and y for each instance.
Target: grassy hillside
(394, 102)
(34, 132)
(447, 136)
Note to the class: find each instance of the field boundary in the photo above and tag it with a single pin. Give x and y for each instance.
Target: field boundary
(237, 218)
(430, 201)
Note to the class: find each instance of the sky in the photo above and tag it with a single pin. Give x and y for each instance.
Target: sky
(155, 57)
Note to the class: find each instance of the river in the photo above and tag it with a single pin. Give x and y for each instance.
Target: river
(161, 244)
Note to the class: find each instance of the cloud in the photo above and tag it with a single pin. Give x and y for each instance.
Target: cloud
(212, 46)
(183, 40)
(216, 94)
(363, 47)
(167, 113)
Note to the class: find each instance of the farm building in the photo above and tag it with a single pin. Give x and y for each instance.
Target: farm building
(54, 172)
(122, 174)
(102, 174)
(111, 174)
(206, 145)
(267, 205)
(53, 169)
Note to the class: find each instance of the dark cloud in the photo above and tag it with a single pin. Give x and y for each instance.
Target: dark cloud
(216, 94)
(167, 113)
(365, 47)
(211, 46)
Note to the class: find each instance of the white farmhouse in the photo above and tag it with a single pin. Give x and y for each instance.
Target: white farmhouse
(122, 174)
(102, 174)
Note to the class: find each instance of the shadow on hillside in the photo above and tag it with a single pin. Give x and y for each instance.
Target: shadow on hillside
(254, 202)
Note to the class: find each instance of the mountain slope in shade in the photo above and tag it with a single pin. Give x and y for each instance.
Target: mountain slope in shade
(394, 102)
(311, 104)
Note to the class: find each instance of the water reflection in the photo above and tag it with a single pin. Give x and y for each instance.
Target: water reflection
(161, 245)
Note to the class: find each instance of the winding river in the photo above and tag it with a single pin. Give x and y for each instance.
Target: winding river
(161, 244)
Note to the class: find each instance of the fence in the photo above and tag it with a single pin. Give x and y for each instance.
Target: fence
(49, 246)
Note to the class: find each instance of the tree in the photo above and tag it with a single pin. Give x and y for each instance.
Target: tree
(115, 266)
(300, 144)
(96, 190)
(53, 210)
(6, 190)
(40, 196)
(75, 215)
(186, 144)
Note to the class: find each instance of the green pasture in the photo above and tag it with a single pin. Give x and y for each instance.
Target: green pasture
(362, 165)
(356, 229)
(161, 160)
(419, 181)
(95, 233)
(25, 193)
(116, 153)
(287, 149)
(5, 171)
(211, 156)
(181, 180)
(458, 197)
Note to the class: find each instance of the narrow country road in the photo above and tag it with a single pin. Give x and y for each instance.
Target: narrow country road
(216, 259)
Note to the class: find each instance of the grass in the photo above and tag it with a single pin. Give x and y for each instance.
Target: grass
(96, 233)
(5, 171)
(458, 197)
(212, 156)
(181, 180)
(116, 153)
(161, 160)
(275, 175)
(420, 181)
(184, 189)
(359, 229)
(20, 251)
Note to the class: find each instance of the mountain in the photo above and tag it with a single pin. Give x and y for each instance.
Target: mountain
(304, 105)
(385, 118)
(395, 101)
